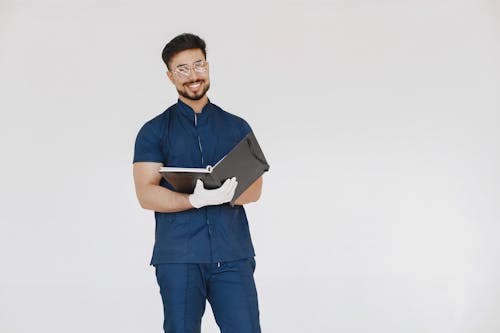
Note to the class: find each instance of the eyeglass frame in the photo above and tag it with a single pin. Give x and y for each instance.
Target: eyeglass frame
(190, 67)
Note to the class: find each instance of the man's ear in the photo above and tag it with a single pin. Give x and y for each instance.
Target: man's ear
(170, 76)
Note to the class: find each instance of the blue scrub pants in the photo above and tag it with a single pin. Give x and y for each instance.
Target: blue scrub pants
(228, 286)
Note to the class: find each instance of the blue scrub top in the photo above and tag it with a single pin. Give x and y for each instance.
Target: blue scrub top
(179, 137)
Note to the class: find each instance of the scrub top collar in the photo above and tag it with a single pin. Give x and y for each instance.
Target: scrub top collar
(188, 112)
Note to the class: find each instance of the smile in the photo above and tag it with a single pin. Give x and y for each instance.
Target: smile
(194, 85)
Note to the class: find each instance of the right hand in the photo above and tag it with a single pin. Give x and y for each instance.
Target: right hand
(202, 197)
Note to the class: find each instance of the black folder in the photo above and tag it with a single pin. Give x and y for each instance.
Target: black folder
(245, 161)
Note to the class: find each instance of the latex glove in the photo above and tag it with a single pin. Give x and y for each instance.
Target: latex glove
(202, 197)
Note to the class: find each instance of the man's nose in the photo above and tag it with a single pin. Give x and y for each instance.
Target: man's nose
(192, 73)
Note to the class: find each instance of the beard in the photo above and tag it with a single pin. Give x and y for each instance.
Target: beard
(194, 96)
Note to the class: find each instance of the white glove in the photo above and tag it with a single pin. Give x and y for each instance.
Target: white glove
(202, 197)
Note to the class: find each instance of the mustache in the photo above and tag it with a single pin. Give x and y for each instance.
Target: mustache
(195, 81)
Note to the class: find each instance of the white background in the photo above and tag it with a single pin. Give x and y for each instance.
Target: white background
(380, 120)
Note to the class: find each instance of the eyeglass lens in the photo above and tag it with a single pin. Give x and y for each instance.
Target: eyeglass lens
(198, 67)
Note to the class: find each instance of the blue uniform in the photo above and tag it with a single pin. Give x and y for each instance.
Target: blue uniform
(198, 239)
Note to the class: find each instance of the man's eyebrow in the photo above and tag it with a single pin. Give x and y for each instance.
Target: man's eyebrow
(180, 65)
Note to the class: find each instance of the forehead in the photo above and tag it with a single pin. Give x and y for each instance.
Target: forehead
(186, 57)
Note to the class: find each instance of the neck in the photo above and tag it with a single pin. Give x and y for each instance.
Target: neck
(196, 105)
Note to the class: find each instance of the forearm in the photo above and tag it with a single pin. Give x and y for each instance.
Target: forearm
(151, 195)
(154, 197)
(161, 199)
(251, 194)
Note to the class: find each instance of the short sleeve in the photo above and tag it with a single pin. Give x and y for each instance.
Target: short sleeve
(244, 128)
(148, 147)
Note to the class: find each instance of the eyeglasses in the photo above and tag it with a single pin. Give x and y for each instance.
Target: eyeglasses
(183, 71)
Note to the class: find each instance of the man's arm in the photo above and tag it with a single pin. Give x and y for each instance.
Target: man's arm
(153, 196)
(160, 199)
(251, 194)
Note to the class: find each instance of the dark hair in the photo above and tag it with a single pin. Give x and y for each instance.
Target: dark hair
(180, 43)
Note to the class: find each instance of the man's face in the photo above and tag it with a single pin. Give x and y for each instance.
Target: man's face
(189, 73)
